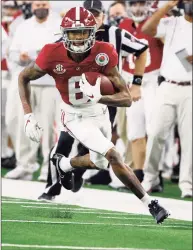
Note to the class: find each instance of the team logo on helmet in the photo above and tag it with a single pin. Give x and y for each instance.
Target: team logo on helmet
(102, 59)
(59, 69)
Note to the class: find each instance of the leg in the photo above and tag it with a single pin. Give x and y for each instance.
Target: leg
(163, 119)
(64, 147)
(124, 173)
(105, 149)
(136, 134)
(184, 117)
(47, 119)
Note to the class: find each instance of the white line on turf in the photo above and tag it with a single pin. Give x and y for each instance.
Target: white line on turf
(94, 223)
(73, 247)
(82, 210)
(33, 203)
(62, 208)
(125, 218)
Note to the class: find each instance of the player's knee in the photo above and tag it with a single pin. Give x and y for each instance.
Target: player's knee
(113, 157)
(102, 163)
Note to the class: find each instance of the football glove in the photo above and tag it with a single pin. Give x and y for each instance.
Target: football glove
(32, 128)
(92, 92)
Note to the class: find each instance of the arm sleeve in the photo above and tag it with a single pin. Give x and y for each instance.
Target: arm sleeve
(113, 60)
(42, 59)
(162, 27)
(132, 45)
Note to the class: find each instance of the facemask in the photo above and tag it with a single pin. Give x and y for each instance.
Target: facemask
(26, 10)
(41, 13)
(115, 21)
(188, 8)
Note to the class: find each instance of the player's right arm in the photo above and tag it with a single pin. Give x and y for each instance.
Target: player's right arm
(29, 73)
(123, 97)
(151, 26)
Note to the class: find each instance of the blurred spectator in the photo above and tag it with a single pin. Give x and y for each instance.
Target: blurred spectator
(116, 13)
(7, 154)
(139, 114)
(25, 13)
(174, 96)
(29, 38)
(10, 10)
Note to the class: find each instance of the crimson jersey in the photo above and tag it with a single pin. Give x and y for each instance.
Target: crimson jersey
(154, 52)
(67, 73)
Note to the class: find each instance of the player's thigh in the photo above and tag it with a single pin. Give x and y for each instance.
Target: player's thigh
(136, 121)
(88, 132)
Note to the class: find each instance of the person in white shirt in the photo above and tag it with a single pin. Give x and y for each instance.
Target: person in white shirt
(174, 95)
(29, 38)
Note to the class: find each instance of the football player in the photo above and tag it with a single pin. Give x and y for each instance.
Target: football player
(139, 114)
(84, 114)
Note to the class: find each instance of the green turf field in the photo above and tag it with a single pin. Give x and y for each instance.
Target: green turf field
(31, 223)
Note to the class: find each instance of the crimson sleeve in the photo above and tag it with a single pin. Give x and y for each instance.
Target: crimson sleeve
(113, 60)
(42, 59)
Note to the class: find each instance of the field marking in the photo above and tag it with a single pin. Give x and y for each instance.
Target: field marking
(34, 203)
(10, 199)
(60, 208)
(144, 219)
(123, 218)
(82, 210)
(95, 223)
(73, 247)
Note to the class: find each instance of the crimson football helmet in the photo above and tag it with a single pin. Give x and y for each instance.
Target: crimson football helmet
(138, 10)
(78, 19)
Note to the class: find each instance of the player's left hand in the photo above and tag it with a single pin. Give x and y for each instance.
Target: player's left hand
(92, 92)
(135, 92)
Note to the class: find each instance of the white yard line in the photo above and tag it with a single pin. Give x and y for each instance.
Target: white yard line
(10, 199)
(32, 202)
(79, 210)
(60, 208)
(148, 220)
(125, 218)
(73, 247)
(94, 223)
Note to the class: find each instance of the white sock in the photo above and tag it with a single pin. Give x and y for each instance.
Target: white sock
(65, 164)
(146, 200)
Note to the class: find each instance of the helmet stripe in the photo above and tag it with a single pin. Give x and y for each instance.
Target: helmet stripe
(77, 15)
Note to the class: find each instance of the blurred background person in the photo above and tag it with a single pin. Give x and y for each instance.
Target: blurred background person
(139, 115)
(30, 36)
(10, 11)
(174, 96)
(116, 13)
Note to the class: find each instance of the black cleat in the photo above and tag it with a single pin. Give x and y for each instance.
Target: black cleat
(8, 162)
(46, 197)
(77, 180)
(158, 212)
(65, 178)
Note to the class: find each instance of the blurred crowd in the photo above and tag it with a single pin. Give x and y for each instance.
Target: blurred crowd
(23, 35)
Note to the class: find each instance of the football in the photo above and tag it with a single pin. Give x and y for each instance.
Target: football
(107, 87)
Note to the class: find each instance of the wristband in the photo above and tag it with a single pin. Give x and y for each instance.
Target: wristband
(137, 80)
